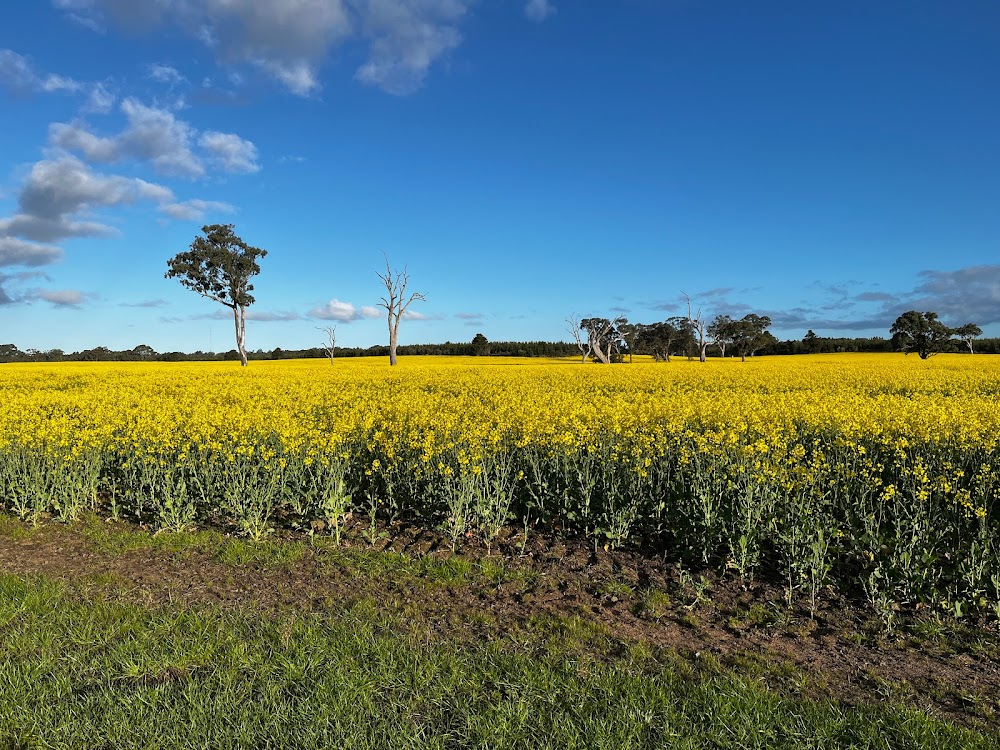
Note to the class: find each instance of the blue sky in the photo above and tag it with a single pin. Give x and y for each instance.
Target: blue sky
(831, 165)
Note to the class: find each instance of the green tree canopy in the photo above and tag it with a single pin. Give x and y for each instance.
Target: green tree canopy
(219, 266)
(920, 332)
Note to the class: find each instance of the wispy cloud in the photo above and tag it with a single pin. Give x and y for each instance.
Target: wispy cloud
(195, 209)
(538, 10)
(145, 303)
(12, 286)
(166, 74)
(261, 316)
(17, 72)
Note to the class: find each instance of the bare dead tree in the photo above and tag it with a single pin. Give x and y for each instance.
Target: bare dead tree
(698, 325)
(574, 326)
(396, 303)
(330, 347)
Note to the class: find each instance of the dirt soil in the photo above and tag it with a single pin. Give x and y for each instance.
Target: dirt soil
(841, 651)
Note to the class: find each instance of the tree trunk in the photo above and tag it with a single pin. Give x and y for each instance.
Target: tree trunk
(393, 340)
(601, 356)
(240, 319)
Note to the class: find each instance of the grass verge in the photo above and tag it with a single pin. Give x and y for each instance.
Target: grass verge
(110, 673)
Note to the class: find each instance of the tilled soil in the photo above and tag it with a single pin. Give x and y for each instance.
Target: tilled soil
(840, 651)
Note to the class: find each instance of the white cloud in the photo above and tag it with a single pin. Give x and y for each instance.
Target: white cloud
(155, 134)
(158, 136)
(195, 209)
(152, 134)
(59, 192)
(344, 312)
(230, 152)
(100, 99)
(61, 297)
(538, 10)
(75, 137)
(406, 38)
(298, 76)
(16, 252)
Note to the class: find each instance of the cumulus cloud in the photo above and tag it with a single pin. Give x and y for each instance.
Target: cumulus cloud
(406, 38)
(230, 152)
(343, 312)
(290, 39)
(56, 189)
(538, 10)
(17, 252)
(156, 135)
(152, 134)
(59, 195)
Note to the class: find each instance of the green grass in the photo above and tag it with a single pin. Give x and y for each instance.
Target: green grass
(85, 674)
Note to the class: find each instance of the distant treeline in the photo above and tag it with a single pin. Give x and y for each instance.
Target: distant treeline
(144, 353)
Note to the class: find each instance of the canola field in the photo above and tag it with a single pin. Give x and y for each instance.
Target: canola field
(873, 474)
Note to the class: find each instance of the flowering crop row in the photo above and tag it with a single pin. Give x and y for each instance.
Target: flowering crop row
(872, 472)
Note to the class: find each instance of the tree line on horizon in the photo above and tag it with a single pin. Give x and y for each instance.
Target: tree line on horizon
(480, 346)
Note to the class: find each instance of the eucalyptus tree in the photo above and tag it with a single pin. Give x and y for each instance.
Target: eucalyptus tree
(750, 334)
(219, 266)
(721, 331)
(920, 332)
(968, 333)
